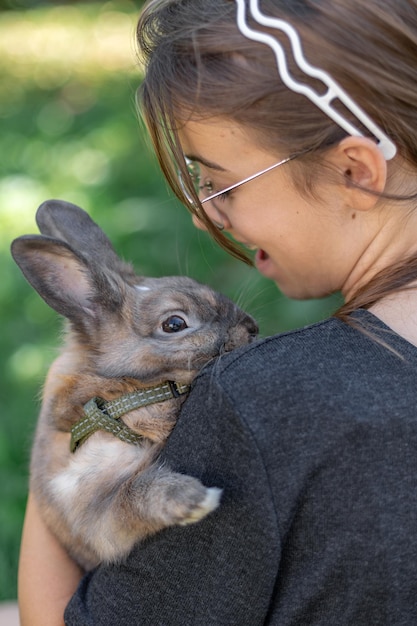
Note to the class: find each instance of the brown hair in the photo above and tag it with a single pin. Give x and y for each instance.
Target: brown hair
(193, 52)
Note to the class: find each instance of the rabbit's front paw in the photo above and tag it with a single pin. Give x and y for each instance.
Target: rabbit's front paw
(209, 504)
(177, 499)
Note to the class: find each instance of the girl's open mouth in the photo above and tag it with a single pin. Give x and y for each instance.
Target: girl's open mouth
(263, 263)
(261, 255)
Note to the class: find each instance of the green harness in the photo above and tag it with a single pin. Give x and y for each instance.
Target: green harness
(105, 415)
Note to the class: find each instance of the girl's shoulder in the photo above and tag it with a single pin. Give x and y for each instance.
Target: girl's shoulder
(321, 346)
(330, 361)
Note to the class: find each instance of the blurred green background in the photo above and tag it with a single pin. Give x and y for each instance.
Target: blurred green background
(69, 129)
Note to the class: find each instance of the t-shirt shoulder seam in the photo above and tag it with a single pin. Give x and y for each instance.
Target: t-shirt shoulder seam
(252, 435)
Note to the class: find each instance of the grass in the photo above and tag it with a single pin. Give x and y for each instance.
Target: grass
(70, 131)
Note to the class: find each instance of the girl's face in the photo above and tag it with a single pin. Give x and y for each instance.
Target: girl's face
(308, 247)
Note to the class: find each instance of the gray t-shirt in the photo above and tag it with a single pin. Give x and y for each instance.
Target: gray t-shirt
(312, 435)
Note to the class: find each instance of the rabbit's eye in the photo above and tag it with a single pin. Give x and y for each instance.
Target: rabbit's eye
(174, 324)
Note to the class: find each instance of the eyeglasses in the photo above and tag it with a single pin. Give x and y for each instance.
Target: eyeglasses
(207, 187)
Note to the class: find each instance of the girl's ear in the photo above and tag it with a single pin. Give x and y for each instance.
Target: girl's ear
(364, 169)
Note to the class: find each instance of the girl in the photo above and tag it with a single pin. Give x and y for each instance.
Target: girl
(288, 127)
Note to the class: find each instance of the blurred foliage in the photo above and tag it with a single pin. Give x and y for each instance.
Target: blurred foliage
(69, 130)
(31, 4)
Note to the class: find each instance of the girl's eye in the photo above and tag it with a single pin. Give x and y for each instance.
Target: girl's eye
(223, 196)
(174, 324)
(207, 188)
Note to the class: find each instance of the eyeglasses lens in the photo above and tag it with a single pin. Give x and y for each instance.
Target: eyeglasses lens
(194, 174)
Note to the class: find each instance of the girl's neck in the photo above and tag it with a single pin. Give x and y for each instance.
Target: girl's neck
(399, 312)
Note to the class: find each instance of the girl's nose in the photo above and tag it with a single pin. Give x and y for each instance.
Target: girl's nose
(215, 216)
(198, 223)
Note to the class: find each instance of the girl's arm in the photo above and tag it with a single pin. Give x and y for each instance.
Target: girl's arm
(48, 577)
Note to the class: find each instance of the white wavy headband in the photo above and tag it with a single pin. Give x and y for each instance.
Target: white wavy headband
(334, 91)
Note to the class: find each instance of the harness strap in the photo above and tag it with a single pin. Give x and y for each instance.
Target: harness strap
(100, 414)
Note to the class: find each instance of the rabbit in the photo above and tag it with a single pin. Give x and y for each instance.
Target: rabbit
(124, 333)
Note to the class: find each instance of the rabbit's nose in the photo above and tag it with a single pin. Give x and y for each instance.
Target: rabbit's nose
(252, 328)
(241, 334)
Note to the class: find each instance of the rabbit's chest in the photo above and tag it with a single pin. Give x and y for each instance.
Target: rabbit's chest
(100, 465)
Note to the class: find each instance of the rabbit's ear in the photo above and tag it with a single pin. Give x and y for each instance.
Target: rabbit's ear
(67, 222)
(63, 278)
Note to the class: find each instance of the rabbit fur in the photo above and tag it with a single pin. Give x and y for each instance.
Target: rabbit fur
(124, 332)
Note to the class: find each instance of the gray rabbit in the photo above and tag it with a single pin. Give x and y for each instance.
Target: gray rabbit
(112, 397)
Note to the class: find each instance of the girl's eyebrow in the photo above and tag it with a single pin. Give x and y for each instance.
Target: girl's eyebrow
(209, 164)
